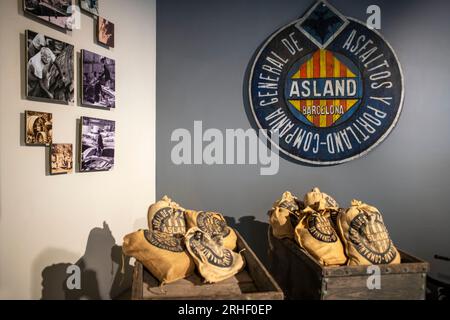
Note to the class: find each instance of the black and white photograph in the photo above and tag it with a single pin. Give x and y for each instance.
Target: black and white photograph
(99, 85)
(61, 158)
(97, 144)
(50, 69)
(38, 128)
(55, 12)
(105, 32)
(90, 6)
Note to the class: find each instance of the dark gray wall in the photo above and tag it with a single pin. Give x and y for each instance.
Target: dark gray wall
(203, 49)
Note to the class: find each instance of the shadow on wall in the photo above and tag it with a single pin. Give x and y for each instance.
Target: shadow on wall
(255, 234)
(100, 271)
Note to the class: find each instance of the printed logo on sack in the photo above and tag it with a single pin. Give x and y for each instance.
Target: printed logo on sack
(210, 223)
(169, 220)
(371, 238)
(328, 86)
(168, 229)
(165, 241)
(207, 250)
(320, 228)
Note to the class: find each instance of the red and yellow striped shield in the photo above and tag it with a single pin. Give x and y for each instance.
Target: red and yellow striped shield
(326, 89)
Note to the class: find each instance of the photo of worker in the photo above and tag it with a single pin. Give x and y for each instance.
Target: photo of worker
(99, 86)
(38, 128)
(61, 158)
(105, 32)
(55, 12)
(50, 69)
(97, 144)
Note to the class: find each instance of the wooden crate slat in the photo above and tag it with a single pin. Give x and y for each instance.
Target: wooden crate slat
(198, 291)
(393, 287)
(196, 280)
(136, 289)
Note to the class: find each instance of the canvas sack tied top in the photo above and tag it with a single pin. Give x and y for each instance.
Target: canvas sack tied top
(283, 216)
(163, 254)
(214, 262)
(314, 197)
(365, 236)
(315, 234)
(214, 224)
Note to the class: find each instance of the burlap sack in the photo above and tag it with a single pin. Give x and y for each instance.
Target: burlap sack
(214, 262)
(164, 255)
(284, 216)
(334, 215)
(167, 216)
(214, 224)
(316, 235)
(288, 201)
(366, 239)
(312, 199)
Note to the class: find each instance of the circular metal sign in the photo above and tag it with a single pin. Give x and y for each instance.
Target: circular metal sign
(329, 87)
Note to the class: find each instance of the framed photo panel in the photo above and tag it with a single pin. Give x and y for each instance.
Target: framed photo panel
(98, 80)
(61, 158)
(90, 6)
(105, 32)
(97, 144)
(54, 12)
(50, 69)
(38, 128)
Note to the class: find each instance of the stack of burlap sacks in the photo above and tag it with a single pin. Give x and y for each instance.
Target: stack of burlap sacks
(179, 240)
(330, 234)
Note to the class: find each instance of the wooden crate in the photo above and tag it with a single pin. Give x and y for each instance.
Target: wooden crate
(302, 277)
(253, 283)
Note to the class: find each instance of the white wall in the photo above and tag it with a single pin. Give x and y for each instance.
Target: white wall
(46, 220)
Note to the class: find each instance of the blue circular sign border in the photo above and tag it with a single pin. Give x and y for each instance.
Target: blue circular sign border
(324, 163)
